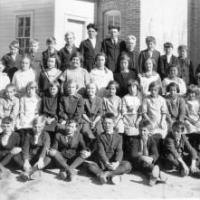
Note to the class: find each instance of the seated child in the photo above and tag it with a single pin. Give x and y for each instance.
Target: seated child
(71, 103)
(69, 150)
(9, 144)
(23, 76)
(12, 59)
(30, 105)
(9, 105)
(142, 152)
(113, 104)
(48, 75)
(91, 125)
(34, 151)
(173, 77)
(109, 164)
(178, 152)
(131, 108)
(192, 118)
(175, 104)
(154, 110)
(4, 79)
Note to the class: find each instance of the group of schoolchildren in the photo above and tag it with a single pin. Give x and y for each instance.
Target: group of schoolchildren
(115, 111)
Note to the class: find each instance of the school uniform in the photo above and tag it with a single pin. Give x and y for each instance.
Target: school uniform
(163, 68)
(71, 107)
(11, 66)
(144, 55)
(112, 52)
(46, 54)
(89, 53)
(65, 57)
(122, 79)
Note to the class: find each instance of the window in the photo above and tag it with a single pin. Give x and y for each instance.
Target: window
(23, 32)
(112, 17)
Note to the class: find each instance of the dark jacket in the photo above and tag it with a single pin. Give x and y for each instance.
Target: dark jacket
(112, 52)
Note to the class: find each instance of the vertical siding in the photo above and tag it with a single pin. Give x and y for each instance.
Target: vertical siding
(43, 18)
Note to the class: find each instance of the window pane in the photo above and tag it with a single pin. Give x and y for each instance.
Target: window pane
(20, 22)
(20, 32)
(27, 32)
(117, 20)
(110, 20)
(27, 43)
(27, 21)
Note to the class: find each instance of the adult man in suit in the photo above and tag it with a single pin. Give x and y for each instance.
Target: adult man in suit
(89, 47)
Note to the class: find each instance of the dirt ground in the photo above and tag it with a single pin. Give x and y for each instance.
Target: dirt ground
(49, 187)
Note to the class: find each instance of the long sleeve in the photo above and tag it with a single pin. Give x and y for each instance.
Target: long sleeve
(62, 114)
(170, 147)
(46, 145)
(15, 110)
(119, 151)
(55, 141)
(182, 110)
(101, 151)
(26, 147)
(79, 110)
(153, 150)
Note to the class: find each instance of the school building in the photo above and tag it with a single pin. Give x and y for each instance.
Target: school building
(177, 21)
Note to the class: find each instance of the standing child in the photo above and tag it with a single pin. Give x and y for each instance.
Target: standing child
(23, 76)
(30, 105)
(12, 60)
(131, 108)
(4, 79)
(154, 110)
(113, 104)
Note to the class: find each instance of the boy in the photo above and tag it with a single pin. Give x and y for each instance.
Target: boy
(50, 52)
(69, 150)
(112, 47)
(109, 164)
(12, 60)
(167, 60)
(67, 51)
(150, 52)
(178, 152)
(89, 47)
(142, 152)
(186, 67)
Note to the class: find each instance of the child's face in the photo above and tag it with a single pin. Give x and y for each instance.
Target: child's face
(173, 91)
(25, 64)
(76, 63)
(124, 65)
(7, 128)
(51, 46)
(168, 50)
(71, 128)
(182, 53)
(114, 33)
(38, 128)
(173, 72)
(91, 90)
(69, 39)
(100, 61)
(132, 89)
(34, 47)
(31, 91)
(14, 50)
(177, 132)
(2, 67)
(144, 132)
(53, 90)
(92, 33)
(10, 93)
(112, 90)
(149, 65)
(51, 63)
(108, 125)
(151, 45)
(154, 91)
(71, 89)
(192, 96)
(130, 44)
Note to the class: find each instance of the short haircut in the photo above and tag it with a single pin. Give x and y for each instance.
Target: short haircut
(67, 84)
(93, 26)
(182, 47)
(51, 40)
(124, 56)
(173, 84)
(14, 43)
(145, 124)
(108, 115)
(32, 84)
(178, 124)
(150, 39)
(168, 45)
(34, 41)
(155, 84)
(113, 27)
(152, 60)
(100, 54)
(115, 83)
(91, 83)
(11, 85)
(131, 37)
(132, 82)
(77, 54)
(26, 56)
(7, 120)
(70, 33)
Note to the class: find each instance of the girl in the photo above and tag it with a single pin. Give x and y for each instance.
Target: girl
(92, 113)
(172, 77)
(101, 75)
(23, 76)
(29, 107)
(192, 110)
(49, 75)
(9, 105)
(113, 104)
(154, 109)
(4, 79)
(148, 76)
(175, 104)
(131, 105)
